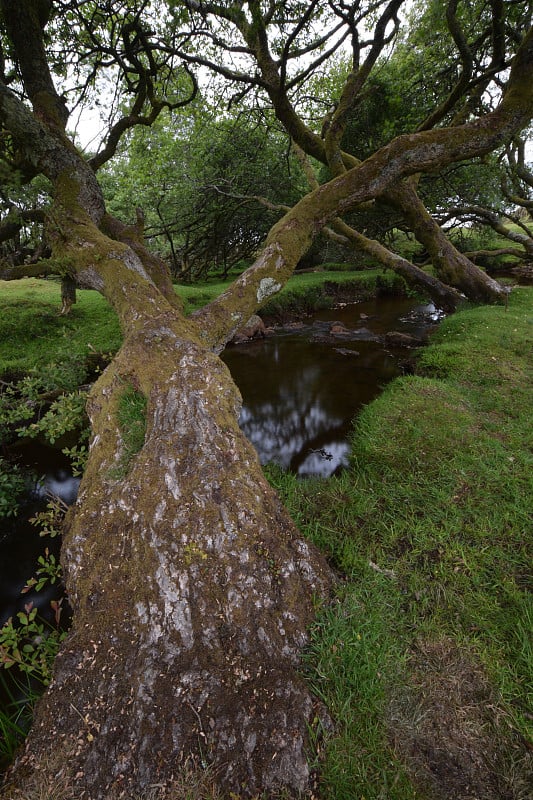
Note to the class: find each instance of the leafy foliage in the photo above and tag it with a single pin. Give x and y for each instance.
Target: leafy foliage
(50, 522)
(12, 486)
(66, 414)
(209, 219)
(29, 643)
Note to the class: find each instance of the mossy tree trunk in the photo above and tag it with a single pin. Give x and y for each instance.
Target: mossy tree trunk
(444, 297)
(191, 588)
(451, 266)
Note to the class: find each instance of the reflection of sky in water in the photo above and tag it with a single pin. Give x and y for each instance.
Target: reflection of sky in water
(285, 436)
(300, 394)
(20, 543)
(61, 483)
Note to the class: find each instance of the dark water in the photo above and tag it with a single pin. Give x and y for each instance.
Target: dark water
(20, 543)
(302, 387)
(21, 546)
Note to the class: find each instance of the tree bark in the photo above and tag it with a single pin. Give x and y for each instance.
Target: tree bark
(444, 296)
(68, 294)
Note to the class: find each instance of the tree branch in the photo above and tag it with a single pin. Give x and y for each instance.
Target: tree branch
(406, 155)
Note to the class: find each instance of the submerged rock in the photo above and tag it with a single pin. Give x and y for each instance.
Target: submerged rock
(338, 329)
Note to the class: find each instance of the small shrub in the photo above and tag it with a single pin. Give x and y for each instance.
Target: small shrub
(66, 414)
(12, 486)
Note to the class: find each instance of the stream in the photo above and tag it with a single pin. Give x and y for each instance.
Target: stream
(301, 388)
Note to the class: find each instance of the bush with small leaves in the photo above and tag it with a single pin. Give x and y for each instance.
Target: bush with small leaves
(12, 486)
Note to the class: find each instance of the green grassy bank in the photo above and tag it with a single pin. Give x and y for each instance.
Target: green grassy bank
(425, 659)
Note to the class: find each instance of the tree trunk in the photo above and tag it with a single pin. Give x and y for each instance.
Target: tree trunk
(191, 590)
(443, 296)
(68, 294)
(452, 267)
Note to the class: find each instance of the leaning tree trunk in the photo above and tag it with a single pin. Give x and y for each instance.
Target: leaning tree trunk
(444, 297)
(191, 591)
(451, 266)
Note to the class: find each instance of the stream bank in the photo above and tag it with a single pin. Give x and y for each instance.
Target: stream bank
(431, 527)
(425, 659)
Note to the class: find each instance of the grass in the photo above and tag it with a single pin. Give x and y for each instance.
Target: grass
(15, 721)
(33, 333)
(131, 417)
(432, 527)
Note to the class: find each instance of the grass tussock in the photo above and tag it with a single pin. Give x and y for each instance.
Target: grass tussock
(425, 659)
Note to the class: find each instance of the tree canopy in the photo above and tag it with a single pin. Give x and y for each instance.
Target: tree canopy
(191, 587)
(235, 180)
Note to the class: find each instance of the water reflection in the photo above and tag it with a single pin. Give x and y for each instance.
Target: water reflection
(302, 388)
(20, 543)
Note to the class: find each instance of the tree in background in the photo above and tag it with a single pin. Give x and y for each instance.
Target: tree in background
(190, 586)
(209, 220)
